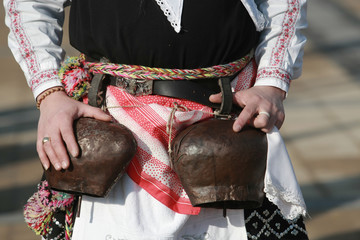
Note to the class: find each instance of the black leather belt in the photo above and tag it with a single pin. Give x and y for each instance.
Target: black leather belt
(198, 90)
(194, 90)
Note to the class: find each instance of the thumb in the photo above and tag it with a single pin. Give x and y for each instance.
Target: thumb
(215, 98)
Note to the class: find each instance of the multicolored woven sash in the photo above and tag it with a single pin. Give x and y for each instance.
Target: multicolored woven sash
(75, 72)
(148, 73)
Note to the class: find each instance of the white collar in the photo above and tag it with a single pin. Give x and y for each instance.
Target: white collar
(172, 10)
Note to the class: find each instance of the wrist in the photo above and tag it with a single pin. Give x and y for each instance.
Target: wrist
(273, 91)
(47, 93)
(281, 93)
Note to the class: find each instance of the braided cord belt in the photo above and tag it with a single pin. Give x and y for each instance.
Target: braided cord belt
(149, 73)
(76, 78)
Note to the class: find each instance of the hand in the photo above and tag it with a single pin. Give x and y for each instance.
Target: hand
(57, 114)
(256, 103)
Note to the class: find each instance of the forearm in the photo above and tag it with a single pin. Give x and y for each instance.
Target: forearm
(280, 50)
(35, 40)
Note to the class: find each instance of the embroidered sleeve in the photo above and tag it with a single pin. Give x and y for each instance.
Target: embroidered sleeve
(279, 54)
(35, 38)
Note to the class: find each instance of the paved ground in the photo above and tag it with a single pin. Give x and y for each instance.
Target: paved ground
(322, 129)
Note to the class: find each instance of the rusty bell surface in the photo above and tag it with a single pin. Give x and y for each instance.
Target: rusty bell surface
(106, 149)
(220, 168)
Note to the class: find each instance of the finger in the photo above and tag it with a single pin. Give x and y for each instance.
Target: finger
(277, 125)
(68, 136)
(96, 113)
(42, 155)
(262, 120)
(58, 149)
(244, 117)
(51, 155)
(279, 122)
(215, 98)
(270, 125)
(238, 98)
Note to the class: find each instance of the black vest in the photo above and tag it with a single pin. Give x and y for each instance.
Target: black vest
(137, 32)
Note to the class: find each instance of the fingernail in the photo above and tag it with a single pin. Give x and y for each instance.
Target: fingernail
(46, 166)
(237, 128)
(74, 153)
(57, 166)
(64, 165)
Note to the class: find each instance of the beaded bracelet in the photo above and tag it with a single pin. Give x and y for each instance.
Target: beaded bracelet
(47, 93)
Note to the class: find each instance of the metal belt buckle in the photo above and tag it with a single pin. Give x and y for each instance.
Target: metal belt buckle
(135, 87)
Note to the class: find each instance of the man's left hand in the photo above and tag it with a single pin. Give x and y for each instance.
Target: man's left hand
(262, 107)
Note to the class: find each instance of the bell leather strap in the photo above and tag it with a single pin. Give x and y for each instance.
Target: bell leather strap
(97, 91)
(226, 96)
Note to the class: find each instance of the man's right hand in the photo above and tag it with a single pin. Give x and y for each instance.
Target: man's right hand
(57, 114)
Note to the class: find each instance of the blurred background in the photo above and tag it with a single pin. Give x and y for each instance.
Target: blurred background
(322, 127)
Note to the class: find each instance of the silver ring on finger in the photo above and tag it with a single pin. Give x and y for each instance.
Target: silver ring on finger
(265, 113)
(45, 139)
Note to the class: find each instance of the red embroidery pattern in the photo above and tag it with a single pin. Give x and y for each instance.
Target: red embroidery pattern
(40, 77)
(274, 73)
(26, 49)
(283, 41)
(288, 27)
